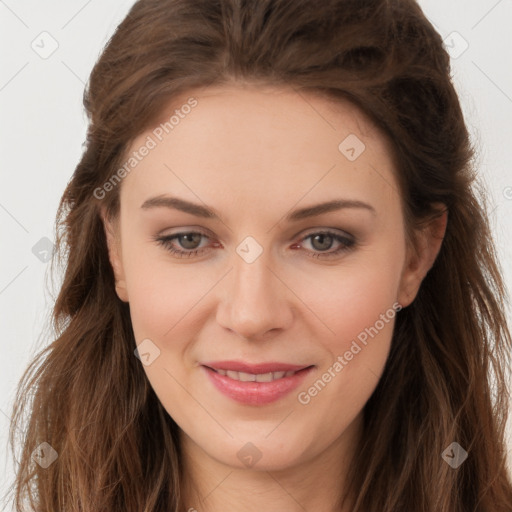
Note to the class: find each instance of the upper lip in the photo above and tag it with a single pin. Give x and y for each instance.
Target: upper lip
(240, 366)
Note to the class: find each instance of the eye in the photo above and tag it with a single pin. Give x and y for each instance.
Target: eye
(321, 241)
(188, 240)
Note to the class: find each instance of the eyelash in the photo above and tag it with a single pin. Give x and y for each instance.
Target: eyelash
(166, 242)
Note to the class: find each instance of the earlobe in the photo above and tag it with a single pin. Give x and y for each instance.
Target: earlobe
(422, 256)
(114, 253)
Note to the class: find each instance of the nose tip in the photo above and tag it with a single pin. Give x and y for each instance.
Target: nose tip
(255, 303)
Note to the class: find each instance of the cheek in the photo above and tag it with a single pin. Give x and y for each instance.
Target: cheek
(353, 297)
(359, 307)
(357, 302)
(161, 293)
(164, 306)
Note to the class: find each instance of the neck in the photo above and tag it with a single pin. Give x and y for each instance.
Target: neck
(313, 483)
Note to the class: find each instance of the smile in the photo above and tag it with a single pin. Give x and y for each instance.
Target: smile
(254, 377)
(255, 388)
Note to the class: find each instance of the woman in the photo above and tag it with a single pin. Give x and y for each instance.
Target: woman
(280, 290)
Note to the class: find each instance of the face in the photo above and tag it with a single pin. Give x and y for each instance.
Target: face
(266, 277)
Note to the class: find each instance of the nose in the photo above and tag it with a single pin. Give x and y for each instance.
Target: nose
(255, 300)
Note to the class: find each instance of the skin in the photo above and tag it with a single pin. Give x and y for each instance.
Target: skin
(254, 154)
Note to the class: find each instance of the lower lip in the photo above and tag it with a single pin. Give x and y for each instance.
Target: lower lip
(256, 393)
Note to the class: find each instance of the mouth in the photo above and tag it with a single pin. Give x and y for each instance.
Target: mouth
(256, 387)
(256, 377)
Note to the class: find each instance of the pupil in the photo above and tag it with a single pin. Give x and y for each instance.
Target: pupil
(188, 238)
(322, 240)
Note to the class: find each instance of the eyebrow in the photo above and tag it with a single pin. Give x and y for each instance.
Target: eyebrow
(198, 210)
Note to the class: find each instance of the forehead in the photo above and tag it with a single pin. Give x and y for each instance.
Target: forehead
(272, 142)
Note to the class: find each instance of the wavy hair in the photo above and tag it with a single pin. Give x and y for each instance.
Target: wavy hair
(87, 396)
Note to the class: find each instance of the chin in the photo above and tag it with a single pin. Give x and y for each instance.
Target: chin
(259, 454)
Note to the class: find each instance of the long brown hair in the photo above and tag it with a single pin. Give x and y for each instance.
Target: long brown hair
(445, 378)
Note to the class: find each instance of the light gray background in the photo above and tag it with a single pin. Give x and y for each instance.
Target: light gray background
(43, 126)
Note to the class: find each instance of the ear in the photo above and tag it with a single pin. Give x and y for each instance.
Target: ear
(421, 255)
(112, 234)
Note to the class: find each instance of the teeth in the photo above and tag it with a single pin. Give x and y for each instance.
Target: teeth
(232, 375)
(251, 377)
(264, 377)
(245, 377)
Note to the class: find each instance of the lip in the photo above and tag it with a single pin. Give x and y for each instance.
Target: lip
(240, 366)
(256, 393)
